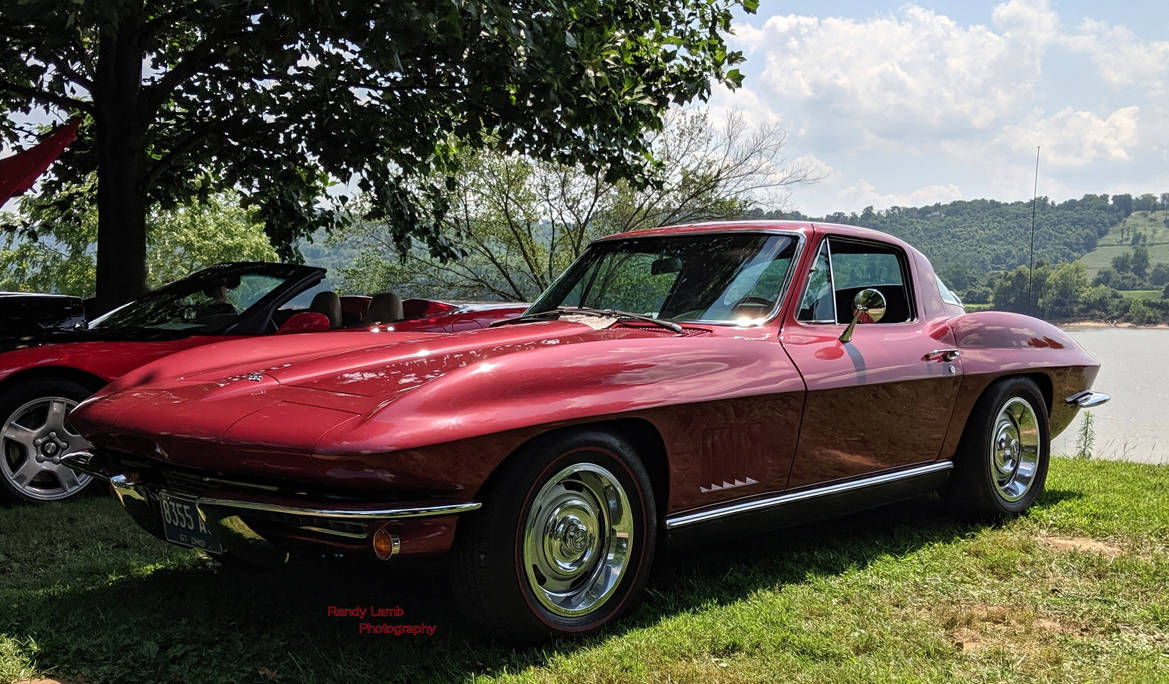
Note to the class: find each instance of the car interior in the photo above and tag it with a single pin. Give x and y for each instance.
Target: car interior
(355, 311)
(854, 266)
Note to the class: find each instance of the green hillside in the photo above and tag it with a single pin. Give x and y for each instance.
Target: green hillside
(968, 239)
(1150, 225)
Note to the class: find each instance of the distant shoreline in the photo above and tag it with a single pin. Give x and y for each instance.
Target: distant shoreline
(1096, 325)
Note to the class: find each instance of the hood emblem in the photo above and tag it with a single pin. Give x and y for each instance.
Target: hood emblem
(255, 377)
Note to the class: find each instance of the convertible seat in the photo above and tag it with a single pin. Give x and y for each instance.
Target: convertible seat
(386, 307)
(327, 303)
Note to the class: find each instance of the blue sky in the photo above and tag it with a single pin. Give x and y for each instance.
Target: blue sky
(914, 103)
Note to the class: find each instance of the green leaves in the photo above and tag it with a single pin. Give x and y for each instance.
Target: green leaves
(278, 101)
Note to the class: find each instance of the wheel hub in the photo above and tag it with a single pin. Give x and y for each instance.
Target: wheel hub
(32, 441)
(576, 540)
(571, 537)
(1015, 447)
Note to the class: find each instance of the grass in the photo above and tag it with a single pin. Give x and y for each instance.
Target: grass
(1076, 590)
(1141, 294)
(1116, 241)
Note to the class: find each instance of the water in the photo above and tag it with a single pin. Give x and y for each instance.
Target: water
(1134, 371)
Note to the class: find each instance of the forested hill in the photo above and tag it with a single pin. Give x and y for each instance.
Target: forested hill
(967, 239)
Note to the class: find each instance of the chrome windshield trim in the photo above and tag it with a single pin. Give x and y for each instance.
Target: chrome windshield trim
(1088, 399)
(342, 514)
(682, 519)
(776, 309)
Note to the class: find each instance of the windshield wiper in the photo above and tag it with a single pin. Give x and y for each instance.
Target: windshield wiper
(617, 313)
(588, 311)
(550, 314)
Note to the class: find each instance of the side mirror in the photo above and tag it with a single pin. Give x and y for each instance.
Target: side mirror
(305, 321)
(867, 307)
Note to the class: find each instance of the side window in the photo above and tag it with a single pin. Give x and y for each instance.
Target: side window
(818, 304)
(860, 265)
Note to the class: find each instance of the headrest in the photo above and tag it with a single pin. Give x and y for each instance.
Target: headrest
(386, 307)
(328, 303)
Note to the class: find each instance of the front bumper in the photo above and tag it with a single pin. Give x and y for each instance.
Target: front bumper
(263, 528)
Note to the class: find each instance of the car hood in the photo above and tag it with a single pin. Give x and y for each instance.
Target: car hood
(347, 393)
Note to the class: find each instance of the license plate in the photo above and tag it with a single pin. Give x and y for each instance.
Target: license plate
(182, 525)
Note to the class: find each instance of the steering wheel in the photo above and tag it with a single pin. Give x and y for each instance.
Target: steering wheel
(187, 313)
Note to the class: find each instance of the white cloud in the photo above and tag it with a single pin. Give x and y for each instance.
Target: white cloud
(1122, 58)
(1073, 138)
(817, 168)
(865, 194)
(901, 73)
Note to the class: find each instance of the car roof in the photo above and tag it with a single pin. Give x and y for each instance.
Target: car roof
(805, 228)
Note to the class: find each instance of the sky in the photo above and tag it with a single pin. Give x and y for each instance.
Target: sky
(914, 103)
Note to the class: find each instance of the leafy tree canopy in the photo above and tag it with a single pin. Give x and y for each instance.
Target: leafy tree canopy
(280, 99)
(177, 244)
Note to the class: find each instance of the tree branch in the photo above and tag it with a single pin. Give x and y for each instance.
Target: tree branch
(47, 98)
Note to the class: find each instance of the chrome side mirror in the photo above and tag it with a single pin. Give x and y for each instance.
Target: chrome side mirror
(868, 302)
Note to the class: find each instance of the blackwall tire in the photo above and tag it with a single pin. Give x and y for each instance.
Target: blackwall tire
(563, 544)
(1001, 465)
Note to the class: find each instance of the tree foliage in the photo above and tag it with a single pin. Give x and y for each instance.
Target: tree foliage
(522, 221)
(179, 241)
(967, 239)
(280, 99)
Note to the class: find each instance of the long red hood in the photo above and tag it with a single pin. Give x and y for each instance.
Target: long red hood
(335, 394)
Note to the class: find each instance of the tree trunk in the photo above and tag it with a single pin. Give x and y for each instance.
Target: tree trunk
(121, 162)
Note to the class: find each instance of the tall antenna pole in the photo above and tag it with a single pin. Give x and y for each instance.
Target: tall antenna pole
(1031, 266)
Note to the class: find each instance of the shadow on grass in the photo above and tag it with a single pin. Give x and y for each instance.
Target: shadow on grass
(193, 621)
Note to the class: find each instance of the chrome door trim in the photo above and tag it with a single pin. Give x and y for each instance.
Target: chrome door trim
(683, 519)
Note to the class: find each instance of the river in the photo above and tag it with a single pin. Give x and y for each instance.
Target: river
(1131, 426)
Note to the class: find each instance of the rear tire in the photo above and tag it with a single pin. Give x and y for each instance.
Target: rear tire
(1001, 465)
(34, 435)
(563, 544)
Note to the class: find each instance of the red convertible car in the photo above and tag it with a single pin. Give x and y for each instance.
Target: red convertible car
(672, 382)
(44, 373)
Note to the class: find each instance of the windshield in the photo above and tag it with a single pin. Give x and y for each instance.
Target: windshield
(193, 305)
(713, 277)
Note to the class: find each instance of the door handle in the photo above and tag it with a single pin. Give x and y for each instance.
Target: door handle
(946, 355)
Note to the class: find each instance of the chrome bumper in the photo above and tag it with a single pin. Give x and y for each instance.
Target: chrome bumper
(222, 515)
(1088, 399)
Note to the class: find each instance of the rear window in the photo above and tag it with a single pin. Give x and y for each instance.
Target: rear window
(947, 295)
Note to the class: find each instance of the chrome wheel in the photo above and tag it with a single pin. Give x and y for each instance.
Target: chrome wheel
(33, 440)
(577, 539)
(1014, 448)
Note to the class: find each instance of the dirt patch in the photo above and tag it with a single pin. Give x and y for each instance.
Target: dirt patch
(1081, 544)
(976, 627)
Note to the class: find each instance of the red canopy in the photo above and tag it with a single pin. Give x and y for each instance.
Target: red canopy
(20, 171)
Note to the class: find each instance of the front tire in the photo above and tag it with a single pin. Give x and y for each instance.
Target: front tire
(1001, 465)
(34, 435)
(564, 542)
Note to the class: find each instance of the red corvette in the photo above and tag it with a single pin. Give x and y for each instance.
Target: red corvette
(678, 381)
(44, 374)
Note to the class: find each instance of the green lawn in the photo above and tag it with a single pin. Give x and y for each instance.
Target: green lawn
(1151, 223)
(1077, 590)
(1141, 294)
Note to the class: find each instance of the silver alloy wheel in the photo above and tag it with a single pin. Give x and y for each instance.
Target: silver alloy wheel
(577, 539)
(32, 442)
(1014, 449)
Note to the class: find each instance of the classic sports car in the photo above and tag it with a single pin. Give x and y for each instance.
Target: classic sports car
(45, 372)
(672, 382)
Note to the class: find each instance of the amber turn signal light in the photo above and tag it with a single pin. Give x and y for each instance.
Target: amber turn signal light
(385, 545)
